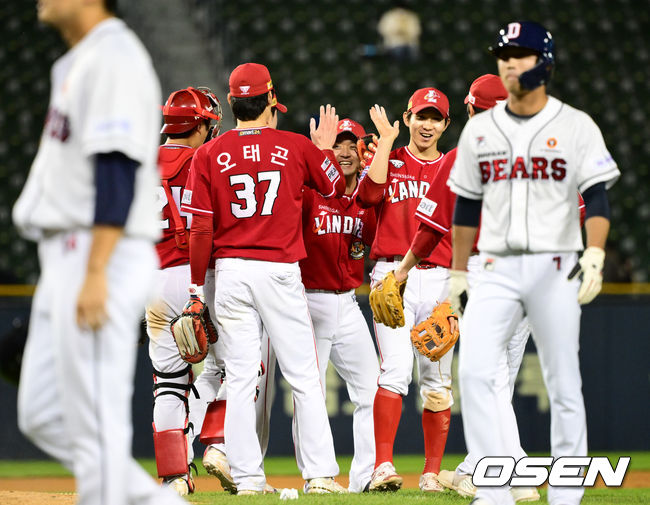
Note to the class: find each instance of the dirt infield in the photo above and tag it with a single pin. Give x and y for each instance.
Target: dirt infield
(60, 490)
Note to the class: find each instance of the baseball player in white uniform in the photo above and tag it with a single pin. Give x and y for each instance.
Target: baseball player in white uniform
(89, 202)
(527, 160)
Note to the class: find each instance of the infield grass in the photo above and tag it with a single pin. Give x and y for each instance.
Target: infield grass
(279, 466)
(286, 465)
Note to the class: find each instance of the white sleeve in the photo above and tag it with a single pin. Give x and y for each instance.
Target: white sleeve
(465, 176)
(594, 162)
(118, 116)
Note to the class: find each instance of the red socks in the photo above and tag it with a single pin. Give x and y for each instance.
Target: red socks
(387, 411)
(435, 426)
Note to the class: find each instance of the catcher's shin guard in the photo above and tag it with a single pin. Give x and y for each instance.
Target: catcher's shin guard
(170, 447)
(212, 431)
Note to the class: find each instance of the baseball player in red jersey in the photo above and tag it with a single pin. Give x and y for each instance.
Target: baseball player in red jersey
(335, 231)
(435, 213)
(188, 115)
(394, 185)
(245, 194)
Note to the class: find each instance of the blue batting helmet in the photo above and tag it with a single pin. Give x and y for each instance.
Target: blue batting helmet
(529, 35)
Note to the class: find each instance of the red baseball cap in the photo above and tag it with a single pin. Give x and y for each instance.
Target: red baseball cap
(347, 125)
(252, 79)
(486, 91)
(425, 98)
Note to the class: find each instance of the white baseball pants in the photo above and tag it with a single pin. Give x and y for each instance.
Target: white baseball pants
(74, 400)
(343, 337)
(253, 296)
(537, 285)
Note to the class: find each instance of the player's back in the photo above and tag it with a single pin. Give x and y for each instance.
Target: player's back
(255, 183)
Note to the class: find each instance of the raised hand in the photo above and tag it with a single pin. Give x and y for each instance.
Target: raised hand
(324, 136)
(385, 129)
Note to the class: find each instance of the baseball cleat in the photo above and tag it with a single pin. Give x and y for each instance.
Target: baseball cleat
(323, 485)
(248, 492)
(429, 483)
(182, 485)
(461, 483)
(522, 494)
(269, 489)
(216, 463)
(385, 478)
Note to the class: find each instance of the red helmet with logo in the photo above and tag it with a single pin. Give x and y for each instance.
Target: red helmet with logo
(187, 108)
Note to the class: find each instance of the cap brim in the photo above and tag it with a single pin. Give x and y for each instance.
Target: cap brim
(419, 108)
(281, 107)
(466, 99)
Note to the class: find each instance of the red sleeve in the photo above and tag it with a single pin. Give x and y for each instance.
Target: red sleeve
(307, 202)
(370, 193)
(369, 227)
(200, 247)
(425, 240)
(197, 197)
(323, 171)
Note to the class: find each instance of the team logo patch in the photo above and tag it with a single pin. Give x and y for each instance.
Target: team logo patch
(551, 142)
(244, 89)
(397, 163)
(332, 174)
(480, 141)
(427, 207)
(356, 250)
(187, 197)
(346, 125)
(325, 165)
(489, 264)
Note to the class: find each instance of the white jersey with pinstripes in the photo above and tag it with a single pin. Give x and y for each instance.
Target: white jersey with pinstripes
(528, 173)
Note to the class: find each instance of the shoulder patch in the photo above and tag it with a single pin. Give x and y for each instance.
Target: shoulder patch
(332, 174)
(325, 165)
(426, 207)
(187, 197)
(397, 163)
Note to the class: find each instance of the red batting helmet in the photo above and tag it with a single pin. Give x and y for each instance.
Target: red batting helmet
(187, 108)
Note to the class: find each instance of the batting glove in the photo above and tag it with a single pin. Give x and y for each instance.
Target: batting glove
(589, 270)
(458, 290)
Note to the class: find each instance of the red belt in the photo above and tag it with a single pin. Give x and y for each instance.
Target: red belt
(334, 291)
(423, 265)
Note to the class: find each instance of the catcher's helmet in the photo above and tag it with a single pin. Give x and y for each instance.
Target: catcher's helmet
(529, 35)
(187, 108)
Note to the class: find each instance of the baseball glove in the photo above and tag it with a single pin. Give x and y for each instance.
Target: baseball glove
(433, 337)
(193, 331)
(387, 301)
(366, 148)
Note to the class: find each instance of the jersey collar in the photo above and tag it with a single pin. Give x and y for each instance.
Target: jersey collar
(421, 161)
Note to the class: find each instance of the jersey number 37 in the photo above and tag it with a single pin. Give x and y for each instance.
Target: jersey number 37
(245, 186)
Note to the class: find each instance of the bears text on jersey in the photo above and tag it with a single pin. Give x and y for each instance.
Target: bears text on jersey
(538, 168)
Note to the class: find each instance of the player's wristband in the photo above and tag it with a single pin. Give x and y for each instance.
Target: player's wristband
(196, 290)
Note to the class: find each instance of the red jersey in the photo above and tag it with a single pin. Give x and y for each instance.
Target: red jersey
(335, 231)
(250, 181)
(409, 179)
(174, 161)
